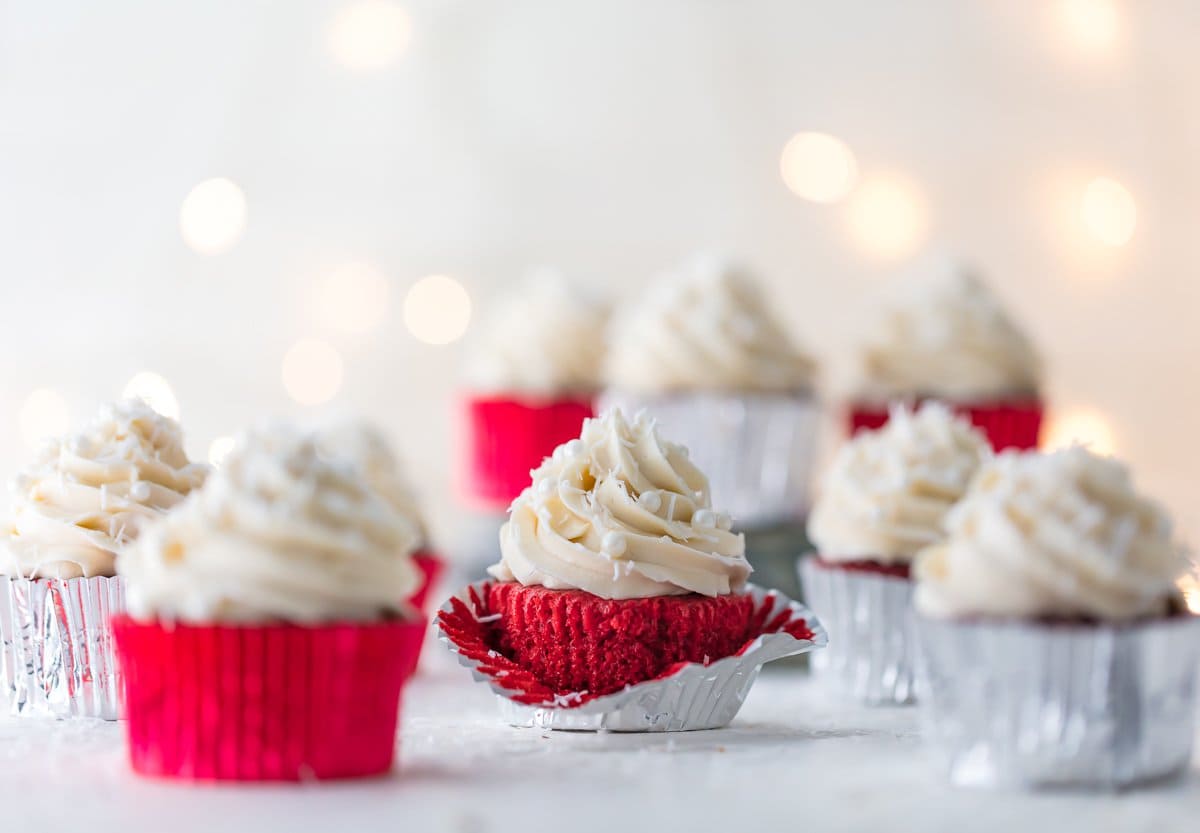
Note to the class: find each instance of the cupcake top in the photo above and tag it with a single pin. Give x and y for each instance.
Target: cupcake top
(279, 533)
(363, 446)
(1061, 535)
(545, 337)
(707, 327)
(621, 514)
(86, 496)
(889, 490)
(946, 336)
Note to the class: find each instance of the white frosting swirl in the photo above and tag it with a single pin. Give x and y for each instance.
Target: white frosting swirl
(86, 496)
(946, 336)
(545, 337)
(706, 328)
(888, 490)
(1054, 535)
(278, 533)
(621, 514)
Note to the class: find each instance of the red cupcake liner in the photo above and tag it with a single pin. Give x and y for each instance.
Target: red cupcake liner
(506, 438)
(266, 702)
(431, 567)
(1006, 425)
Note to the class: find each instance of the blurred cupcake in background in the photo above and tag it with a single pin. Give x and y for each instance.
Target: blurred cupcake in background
(884, 499)
(1055, 647)
(76, 509)
(947, 337)
(267, 635)
(531, 378)
(703, 353)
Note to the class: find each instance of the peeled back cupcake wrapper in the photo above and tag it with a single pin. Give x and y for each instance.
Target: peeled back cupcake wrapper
(58, 654)
(757, 449)
(1030, 704)
(873, 654)
(687, 696)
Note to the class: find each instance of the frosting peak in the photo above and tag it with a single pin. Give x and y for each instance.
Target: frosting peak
(707, 327)
(1051, 535)
(86, 496)
(888, 490)
(621, 514)
(279, 532)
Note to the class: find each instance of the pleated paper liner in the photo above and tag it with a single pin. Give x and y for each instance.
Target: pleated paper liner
(685, 696)
(58, 656)
(264, 703)
(1007, 424)
(506, 437)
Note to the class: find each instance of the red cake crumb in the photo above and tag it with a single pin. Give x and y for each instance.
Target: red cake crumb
(864, 565)
(574, 641)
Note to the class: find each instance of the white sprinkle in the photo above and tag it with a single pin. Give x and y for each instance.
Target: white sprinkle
(704, 518)
(724, 521)
(613, 544)
(575, 448)
(545, 488)
(650, 501)
(140, 490)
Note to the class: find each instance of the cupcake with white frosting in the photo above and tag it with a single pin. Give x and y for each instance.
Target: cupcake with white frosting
(615, 569)
(1055, 645)
(278, 591)
(884, 499)
(702, 351)
(947, 337)
(531, 376)
(75, 511)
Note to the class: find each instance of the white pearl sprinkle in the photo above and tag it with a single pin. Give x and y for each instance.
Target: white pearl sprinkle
(613, 544)
(545, 488)
(724, 521)
(575, 448)
(650, 501)
(140, 490)
(704, 518)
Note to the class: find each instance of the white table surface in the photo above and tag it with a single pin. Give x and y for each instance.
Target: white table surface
(795, 759)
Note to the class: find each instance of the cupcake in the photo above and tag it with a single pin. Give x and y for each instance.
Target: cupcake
(948, 338)
(76, 509)
(531, 377)
(884, 499)
(620, 599)
(702, 352)
(267, 635)
(1054, 644)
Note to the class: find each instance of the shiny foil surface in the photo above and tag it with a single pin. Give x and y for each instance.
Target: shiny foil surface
(691, 696)
(1015, 704)
(58, 658)
(872, 649)
(756, 448)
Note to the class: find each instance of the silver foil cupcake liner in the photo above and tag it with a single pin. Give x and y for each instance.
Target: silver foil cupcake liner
(58, 654)
(1026, 704)
(695, 696)
(756, 448)
(872, 655)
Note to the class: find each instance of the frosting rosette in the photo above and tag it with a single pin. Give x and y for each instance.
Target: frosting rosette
(888, 490)
(947, 336)
(279, 533)
(706, 327)
(1061, 535)
(621, 514)
(87, 496)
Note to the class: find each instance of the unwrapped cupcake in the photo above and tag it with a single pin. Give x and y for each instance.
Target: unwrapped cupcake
(1055, 647)
(268, 636)
(884, 499)
(702, 351)
(947, 337)
(531, 377)
(620, 599)
(81, 504)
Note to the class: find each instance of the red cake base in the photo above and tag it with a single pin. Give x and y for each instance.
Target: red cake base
(867, 566)
(1007, 425)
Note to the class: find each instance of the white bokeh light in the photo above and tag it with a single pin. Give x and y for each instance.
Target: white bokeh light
(1088, 26)
(155, 391)
(312, 371)
(213, 216)
(1107, 212)
(1087, 427)
(437, 310)
(353, 298)
(887, 218)
(818, 167)
(369, 35)
(219, 449)
(44, 414)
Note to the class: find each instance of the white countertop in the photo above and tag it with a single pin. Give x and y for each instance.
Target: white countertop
(795, 759)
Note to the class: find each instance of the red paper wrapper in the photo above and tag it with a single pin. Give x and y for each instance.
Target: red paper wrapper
(431, 567)
(506, 438)
(1007, 425)
(264, 703)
